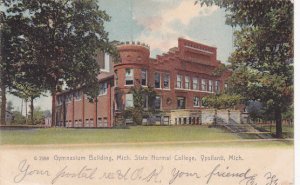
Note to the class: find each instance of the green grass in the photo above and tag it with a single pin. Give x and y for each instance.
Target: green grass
(288, 131)
(136, 134)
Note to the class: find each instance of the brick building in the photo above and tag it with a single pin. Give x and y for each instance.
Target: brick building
(180, 77)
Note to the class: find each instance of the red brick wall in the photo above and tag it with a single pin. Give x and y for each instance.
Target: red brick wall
(189, 59)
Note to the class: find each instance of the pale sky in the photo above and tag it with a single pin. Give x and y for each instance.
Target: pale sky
(159, 23)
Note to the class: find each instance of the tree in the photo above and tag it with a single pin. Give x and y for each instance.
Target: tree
(6, 44)
(262, 62)
(38, 116)
(20, 73)
(64, 35)
(255, 110)
(18, 118)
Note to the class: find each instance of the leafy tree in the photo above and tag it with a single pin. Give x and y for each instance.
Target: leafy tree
(38, 116)
(262, 62)
(63, 37)
(255, 110)
(222, 101)
(141, 95)
(18, 118)
(8, 52)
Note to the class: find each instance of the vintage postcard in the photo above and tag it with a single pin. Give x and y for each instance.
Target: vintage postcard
(166, 92)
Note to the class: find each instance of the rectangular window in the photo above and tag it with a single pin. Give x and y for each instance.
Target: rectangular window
(187, 82)
(105, 121)
(210, 86)
(203, 85)
(166, 81)
(179, 81)
(217, 86)
(144, 77)
(166, 120)
(157, 103)
(195, 83)
(180, 102)
(59, 100)
(196, 101)
(103, 89)
(157, 80)
(99, 124)
(129, 77)
(106, 62)
(225, 86)
(128, 100)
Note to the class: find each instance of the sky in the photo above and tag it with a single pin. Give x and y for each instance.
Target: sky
(159, 23)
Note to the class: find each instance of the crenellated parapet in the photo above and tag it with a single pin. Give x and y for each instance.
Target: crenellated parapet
(133, 52)
(138, 43)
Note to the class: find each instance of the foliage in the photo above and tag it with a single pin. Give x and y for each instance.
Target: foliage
(219, 70)
(38, 116)
(138, 111)
(222, 101)
(289, 114)
(262, 62)
(254, 108)
(18, 118)
(58, 40)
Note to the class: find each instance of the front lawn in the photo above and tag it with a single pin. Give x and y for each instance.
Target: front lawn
(134, 134)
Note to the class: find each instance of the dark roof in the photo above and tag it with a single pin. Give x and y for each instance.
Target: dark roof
(105, 76)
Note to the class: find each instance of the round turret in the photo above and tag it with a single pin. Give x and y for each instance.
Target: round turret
(133, 52)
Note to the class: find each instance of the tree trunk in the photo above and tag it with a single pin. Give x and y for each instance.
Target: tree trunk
(53, 121)
(31, 109)
(21, 107)
(278, 120)
(26, 115)
(3, 104)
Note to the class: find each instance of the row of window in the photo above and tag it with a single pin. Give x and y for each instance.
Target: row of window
(68, 98)
(77, 94)
(181, 102)
(197, 84)
(194, 83)
(102, 122)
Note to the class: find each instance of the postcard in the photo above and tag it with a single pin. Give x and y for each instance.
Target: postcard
(168, 92)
